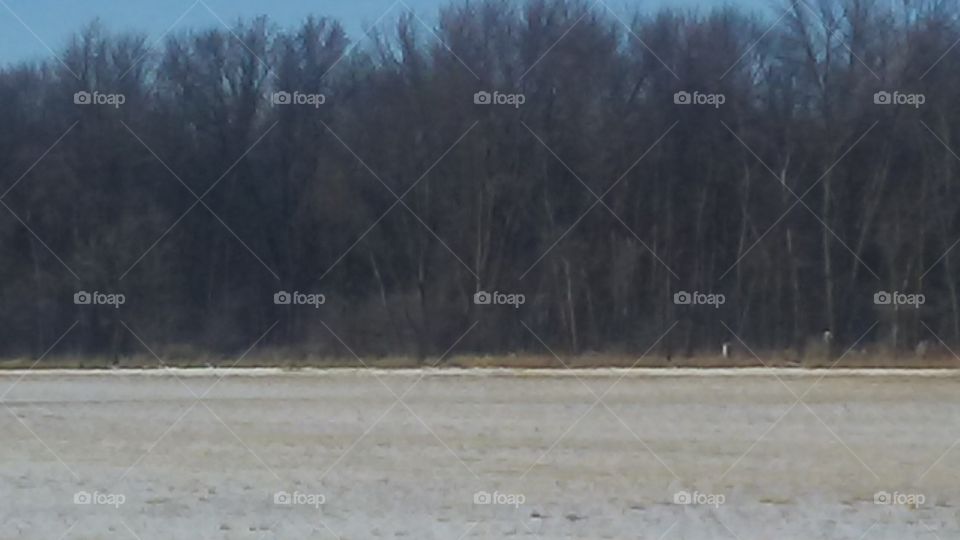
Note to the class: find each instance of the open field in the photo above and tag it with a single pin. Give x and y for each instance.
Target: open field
(289, 360)
(577, 454)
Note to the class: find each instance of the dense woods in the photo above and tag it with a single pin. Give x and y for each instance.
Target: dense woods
(797, 164)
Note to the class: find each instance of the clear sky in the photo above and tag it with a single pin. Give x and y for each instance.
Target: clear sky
(27, 27)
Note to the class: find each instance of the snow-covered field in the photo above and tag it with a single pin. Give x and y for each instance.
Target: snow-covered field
(499, 454)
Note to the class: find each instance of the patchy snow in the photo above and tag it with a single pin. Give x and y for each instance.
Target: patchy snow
(479, 454)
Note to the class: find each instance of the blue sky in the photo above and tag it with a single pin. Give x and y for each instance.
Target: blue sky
(52, 21)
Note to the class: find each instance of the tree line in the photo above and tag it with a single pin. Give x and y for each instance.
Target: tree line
(580, 169)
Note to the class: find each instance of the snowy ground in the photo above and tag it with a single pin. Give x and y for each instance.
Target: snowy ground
(211, 454)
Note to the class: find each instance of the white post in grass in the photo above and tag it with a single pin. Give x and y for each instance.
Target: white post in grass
(828, 343)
